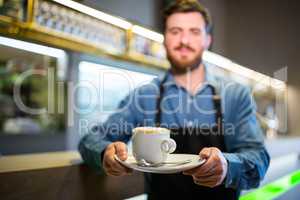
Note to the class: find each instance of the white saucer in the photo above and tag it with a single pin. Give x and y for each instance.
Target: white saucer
(167, 168)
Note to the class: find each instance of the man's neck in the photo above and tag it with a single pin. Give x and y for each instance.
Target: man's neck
(192, 80)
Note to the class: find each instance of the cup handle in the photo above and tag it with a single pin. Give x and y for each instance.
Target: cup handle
(168, 146)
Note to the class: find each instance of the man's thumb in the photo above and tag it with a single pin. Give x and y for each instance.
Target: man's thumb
(205, 153)
(121, 150)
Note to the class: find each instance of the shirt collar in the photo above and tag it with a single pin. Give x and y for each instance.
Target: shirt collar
(210, 79)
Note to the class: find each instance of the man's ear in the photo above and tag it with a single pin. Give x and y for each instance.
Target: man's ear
(208, 41)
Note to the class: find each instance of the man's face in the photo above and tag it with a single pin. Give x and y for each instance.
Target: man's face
(185, 40)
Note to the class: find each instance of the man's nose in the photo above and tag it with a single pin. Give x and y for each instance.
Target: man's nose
(184, 39)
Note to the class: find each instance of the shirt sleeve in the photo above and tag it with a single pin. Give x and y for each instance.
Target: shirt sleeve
(118, 127)
(247, 157)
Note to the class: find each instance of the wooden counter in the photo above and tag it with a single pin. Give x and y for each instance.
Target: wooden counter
(62, 178)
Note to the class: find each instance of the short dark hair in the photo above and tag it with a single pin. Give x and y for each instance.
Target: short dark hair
(184, 6)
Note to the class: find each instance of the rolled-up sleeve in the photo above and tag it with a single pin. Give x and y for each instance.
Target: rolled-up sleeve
(247, 157)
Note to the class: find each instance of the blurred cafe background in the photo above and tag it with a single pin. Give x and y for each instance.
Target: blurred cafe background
(65, 66)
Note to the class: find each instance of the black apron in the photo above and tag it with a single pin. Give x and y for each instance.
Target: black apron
(191, 141)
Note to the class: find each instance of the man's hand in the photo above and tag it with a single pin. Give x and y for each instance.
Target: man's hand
(112, 166)
(213, 171)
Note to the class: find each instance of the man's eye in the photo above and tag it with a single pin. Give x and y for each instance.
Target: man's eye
(174, 31)
(196, 32)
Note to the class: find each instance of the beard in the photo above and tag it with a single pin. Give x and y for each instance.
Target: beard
(181, 66)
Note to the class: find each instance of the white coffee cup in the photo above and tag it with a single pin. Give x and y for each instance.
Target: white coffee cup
(153, 144)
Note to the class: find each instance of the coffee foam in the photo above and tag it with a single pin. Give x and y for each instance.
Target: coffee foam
(150, 130)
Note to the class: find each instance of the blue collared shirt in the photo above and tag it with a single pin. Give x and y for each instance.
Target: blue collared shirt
(246, 155)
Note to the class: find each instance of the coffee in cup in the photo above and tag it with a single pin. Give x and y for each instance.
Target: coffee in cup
(153, 144)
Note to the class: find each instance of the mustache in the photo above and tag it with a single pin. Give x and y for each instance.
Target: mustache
(184, 46)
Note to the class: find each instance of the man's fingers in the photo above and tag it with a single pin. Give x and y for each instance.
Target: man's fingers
(111, 162)
(207, 174)
(211, 183)
(190, 171)
(115, 168)
(206, 179)
(116, 165)
(205, 153)
(116, 172)
(203, 169)
(121, 150)
(211, 156)
(212, 172)
(112, 166)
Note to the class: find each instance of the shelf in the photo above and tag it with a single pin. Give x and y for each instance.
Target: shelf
(32, 31)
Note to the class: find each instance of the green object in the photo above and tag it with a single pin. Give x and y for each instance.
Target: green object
(274, 189)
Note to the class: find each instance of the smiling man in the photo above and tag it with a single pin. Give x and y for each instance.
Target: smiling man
(186, 38)
(207, 115)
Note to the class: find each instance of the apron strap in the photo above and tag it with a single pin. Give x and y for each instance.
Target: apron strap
(218, 107)
(158, 101)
